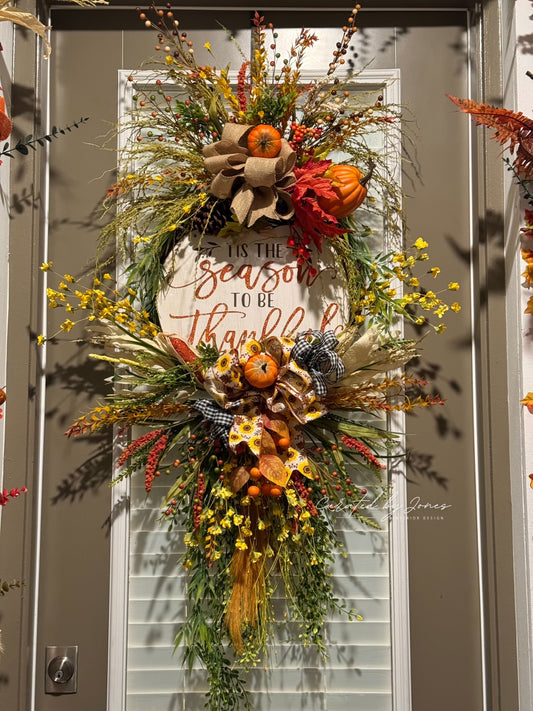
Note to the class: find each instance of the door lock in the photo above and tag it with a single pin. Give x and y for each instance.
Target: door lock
(61, 669)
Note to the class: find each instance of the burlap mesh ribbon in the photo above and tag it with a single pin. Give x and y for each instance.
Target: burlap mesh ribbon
(258, 186)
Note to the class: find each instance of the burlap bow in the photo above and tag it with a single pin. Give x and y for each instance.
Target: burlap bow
(257, 186)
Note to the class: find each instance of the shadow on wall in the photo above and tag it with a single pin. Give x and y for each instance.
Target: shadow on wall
(525, 42)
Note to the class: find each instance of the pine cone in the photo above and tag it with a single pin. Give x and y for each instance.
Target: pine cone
(211, 219)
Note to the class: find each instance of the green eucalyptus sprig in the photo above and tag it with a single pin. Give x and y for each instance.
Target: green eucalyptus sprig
(28, 142)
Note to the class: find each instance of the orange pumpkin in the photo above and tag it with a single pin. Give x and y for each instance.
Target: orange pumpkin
(261, 371)
(253, 491)
(264, 141)
(350, 186)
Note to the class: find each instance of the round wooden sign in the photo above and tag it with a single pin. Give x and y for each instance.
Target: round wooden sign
(249, 286)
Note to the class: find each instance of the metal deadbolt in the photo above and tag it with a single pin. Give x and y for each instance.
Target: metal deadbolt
(60, 670)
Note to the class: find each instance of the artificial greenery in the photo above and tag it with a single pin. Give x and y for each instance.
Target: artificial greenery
(24, 145)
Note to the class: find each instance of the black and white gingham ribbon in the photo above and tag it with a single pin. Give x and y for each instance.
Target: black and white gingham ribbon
(314, 351)
(220, 420)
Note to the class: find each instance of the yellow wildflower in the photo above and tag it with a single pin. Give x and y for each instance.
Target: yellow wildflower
(67, 325)
(40, 340)
(283, 534)
(46, 266)
(107, 276)
(420, 244)
(240, 544)
(455, 307)
(207, 45)
(435, 271)
(168, 59)
(291, 497)
(453, 286)
(69, 278)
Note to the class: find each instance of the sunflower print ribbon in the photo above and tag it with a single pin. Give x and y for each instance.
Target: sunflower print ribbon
(291, 399)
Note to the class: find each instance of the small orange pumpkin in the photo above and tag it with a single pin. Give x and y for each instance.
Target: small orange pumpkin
(261, 371)
(253, 491)
(264, 141)
(350, 185)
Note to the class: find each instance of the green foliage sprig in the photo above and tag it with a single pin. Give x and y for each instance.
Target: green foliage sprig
(28, 142)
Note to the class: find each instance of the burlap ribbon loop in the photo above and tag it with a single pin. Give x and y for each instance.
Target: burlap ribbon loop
(258, 186)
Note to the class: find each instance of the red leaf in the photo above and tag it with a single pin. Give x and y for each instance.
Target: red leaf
(309, 216)
(273, 469)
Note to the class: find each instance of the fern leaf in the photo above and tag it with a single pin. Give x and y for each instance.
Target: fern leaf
(507, 124)
(511, 129)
